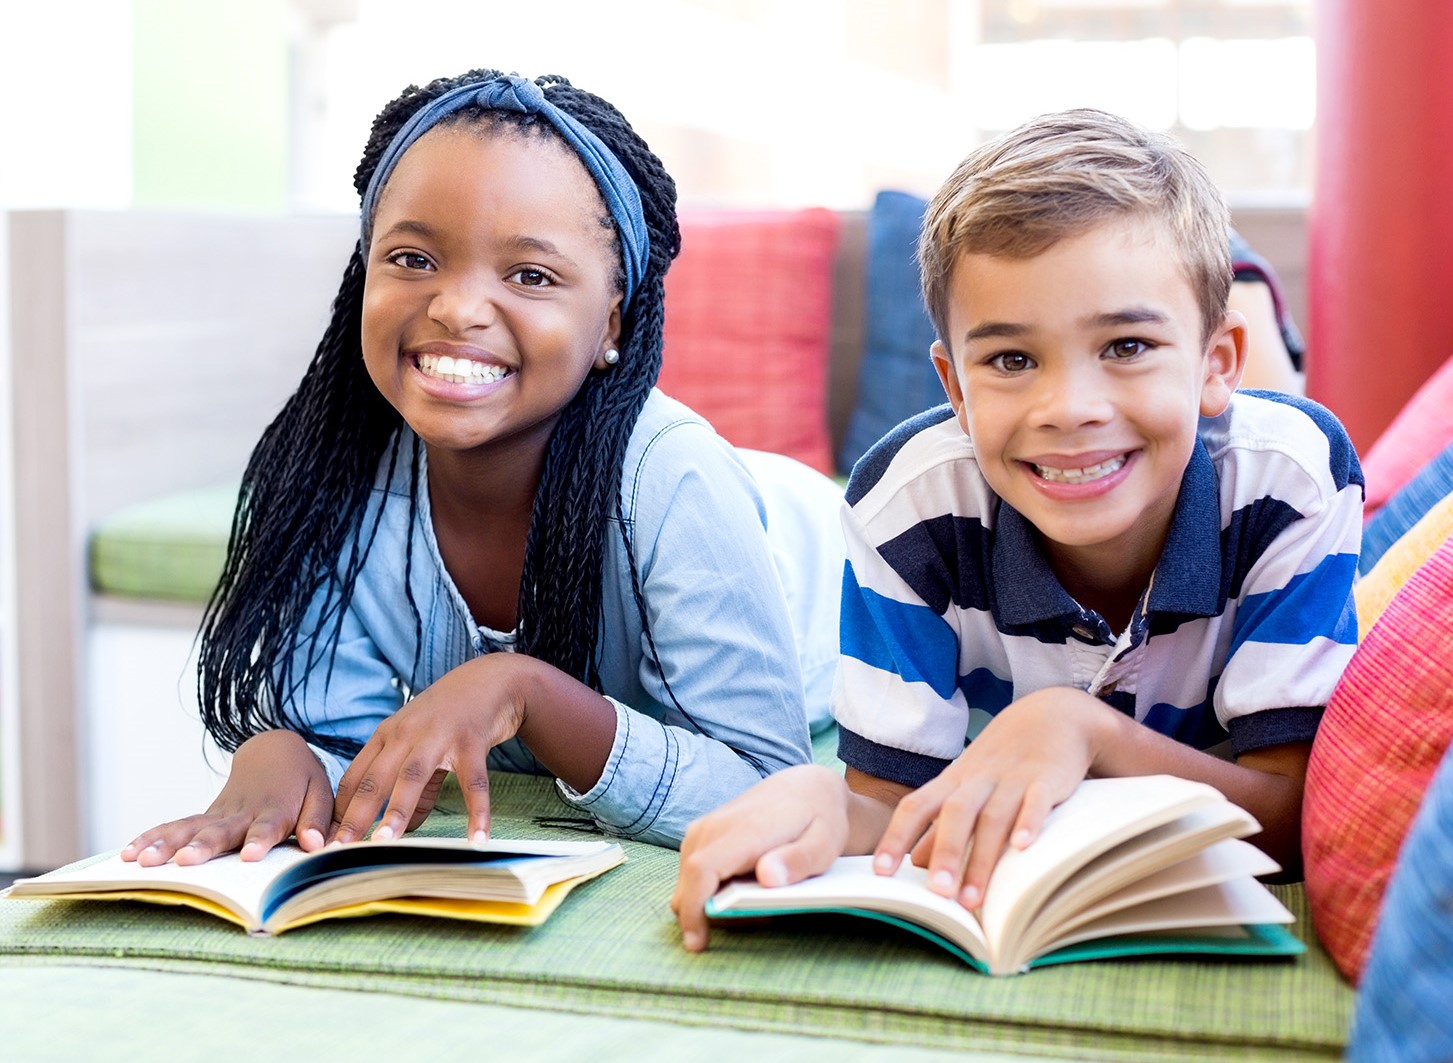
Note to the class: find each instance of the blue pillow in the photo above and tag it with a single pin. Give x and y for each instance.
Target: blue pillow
(897, 378)
(1431, 485)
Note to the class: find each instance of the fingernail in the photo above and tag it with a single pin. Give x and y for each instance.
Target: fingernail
(1022, 837)
(479, 837)
(969, 897)
(883, 864)
(942, 882)
(772, 871)
(694, 941)
(382, 833)
(312, 837)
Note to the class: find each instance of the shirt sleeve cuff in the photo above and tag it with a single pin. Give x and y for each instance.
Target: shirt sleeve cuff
(613, 802)
(333, 764)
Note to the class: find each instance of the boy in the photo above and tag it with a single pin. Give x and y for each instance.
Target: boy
(1094, 561)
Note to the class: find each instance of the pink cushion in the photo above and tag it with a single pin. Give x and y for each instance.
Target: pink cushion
(1419, 432)
(1387, 725)
(748, 323)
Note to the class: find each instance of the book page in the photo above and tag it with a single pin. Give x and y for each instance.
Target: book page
(1240, 902)
(1110, 873)
(1221, 862)
(852, 884)
(1100, 814)
(227, 880)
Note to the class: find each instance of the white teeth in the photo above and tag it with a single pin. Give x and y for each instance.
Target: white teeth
(1080, 476)
(460, 370)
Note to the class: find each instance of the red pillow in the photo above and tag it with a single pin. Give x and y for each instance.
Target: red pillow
(748, 324)
(1418, 434)
(1387, 724)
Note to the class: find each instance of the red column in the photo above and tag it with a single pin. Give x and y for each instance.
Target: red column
(1381, 225)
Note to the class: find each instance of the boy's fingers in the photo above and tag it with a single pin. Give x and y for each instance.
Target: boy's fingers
(811, 853)
(1037, 805)
(709, 858)
(957, 819)
(990, 835)
(908, 822)
(924, 849)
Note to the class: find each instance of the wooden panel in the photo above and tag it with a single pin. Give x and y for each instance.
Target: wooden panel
(149, 352)
(48, 592)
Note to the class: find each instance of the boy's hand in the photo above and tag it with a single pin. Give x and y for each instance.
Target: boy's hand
(276, 787)
(1027, 760)
(787, 827)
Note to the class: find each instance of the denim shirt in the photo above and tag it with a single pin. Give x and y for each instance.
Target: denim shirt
(717, 609)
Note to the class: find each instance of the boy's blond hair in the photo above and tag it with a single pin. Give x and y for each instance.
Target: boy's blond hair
(1059, 175)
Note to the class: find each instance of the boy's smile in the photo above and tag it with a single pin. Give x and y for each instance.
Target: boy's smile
(1080, 375)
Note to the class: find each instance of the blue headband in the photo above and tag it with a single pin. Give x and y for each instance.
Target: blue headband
(511, 92)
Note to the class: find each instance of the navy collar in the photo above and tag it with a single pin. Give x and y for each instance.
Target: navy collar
(1187, 578)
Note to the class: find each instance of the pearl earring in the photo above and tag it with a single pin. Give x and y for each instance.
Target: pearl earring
(612, 356)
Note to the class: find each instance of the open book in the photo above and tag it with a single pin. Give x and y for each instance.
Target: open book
(1148, 864)
(515, 882)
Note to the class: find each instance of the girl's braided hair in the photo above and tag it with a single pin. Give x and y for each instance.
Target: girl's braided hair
(308, 482)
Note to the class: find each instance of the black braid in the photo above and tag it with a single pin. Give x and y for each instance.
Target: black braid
(307, 484)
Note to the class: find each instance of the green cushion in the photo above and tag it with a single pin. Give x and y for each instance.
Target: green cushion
(171, 547)
(613, 950)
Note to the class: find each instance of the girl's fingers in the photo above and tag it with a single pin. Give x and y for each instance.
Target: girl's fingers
(356, 813)
(158, 844)
(218, 836)
(428, 799)
(348, 785)
(473, 778)
(316, 815)
(409, 782)
(267, 830)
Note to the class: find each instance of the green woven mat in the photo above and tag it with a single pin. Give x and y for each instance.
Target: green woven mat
(170, 547)
(613, 950)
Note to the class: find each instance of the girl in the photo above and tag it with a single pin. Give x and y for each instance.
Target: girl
(476, 537)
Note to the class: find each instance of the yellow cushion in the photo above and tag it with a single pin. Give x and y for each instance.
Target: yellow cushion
(1375, 590)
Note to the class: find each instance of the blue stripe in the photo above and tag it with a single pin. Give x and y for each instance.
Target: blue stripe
(983, 689)
(1314, 604)
(910, 640)
(1196, 726)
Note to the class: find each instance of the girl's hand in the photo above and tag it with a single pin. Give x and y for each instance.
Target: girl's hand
(451, 726)
(1028, 759)
(276, 787)
(790, 825)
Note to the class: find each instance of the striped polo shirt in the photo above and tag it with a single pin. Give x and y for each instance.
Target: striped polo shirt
(951, 611)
